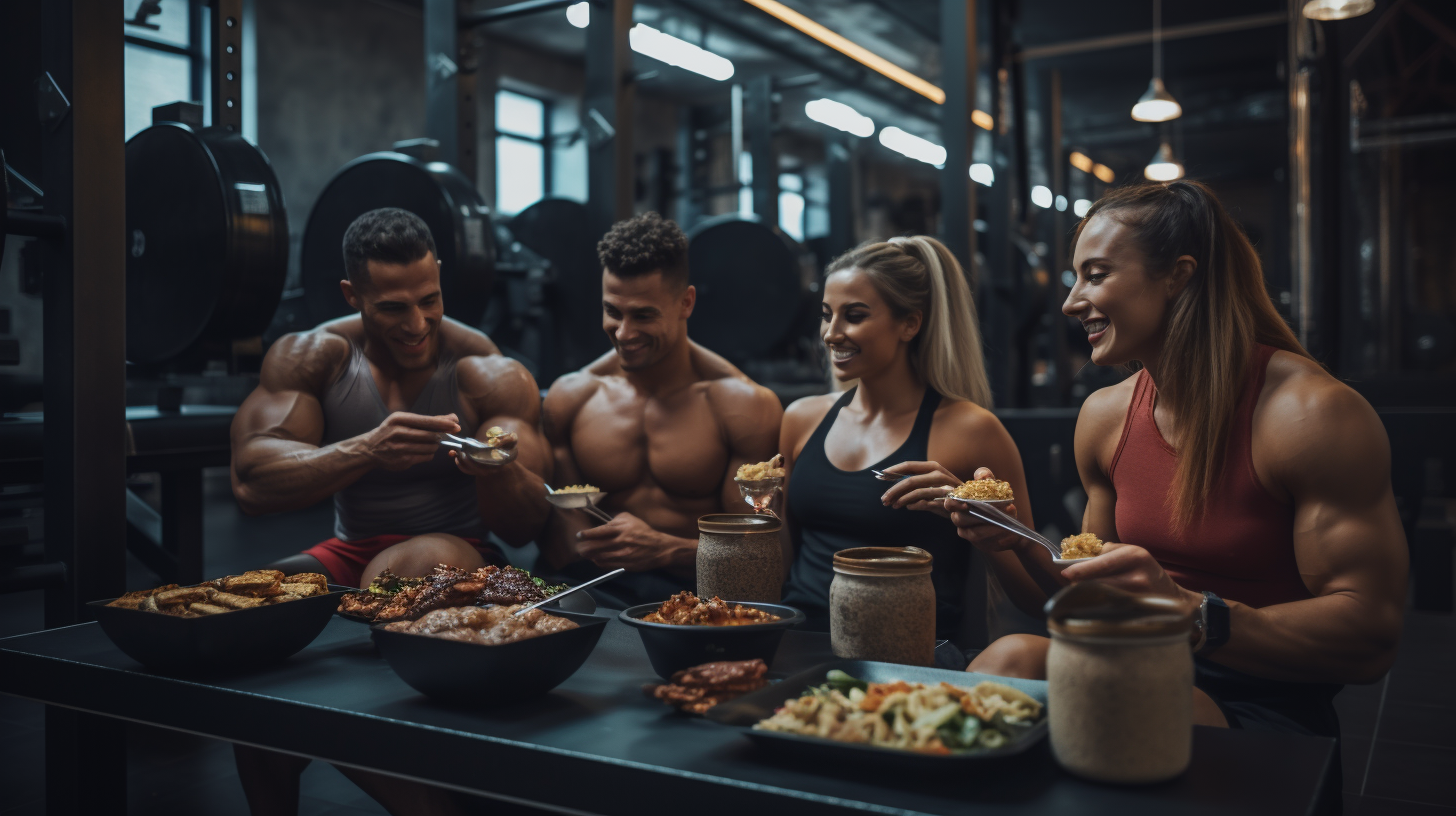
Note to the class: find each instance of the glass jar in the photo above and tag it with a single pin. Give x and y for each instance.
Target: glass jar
(882, 605)
(1120, 684)
(739, 557)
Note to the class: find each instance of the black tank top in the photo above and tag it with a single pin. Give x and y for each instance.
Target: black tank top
(832, 510)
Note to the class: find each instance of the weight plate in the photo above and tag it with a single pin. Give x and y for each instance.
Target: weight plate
(560, 231)
(207, 240)
(748, 282)
(447, 202)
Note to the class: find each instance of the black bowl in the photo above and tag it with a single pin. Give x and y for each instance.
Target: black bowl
(452, 671)
(672, 648)
(575, 602)
(233, 641)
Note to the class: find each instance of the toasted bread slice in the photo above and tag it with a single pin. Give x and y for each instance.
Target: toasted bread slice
(183, 595)
(317, 579)
(207, 609)
(284, 598)
(232, 601)
(253, 584)
(303, 590)
(133, 600)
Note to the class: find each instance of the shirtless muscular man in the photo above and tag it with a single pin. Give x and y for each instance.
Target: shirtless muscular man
(659, 423)
(354, 408)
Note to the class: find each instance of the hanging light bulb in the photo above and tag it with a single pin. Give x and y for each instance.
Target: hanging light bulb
(1156, 104)
(1337, 9)
(1163, 167)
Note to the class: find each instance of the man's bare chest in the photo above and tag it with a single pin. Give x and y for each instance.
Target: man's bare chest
(621, 443)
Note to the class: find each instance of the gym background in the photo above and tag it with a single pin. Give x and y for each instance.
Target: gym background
(777, 134)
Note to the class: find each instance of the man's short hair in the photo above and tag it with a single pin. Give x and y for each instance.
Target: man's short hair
(390, 235)
(645, 244)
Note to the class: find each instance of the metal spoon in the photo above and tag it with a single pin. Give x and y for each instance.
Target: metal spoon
(579, 501)
(563, 593)
(887, 477)
(990, 514)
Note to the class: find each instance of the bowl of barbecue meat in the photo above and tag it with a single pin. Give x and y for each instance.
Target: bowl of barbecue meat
(390, 598)
(235, 623)
(483, 656)
(686, 630)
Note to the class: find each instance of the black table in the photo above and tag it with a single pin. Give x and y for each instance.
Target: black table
(597, 745)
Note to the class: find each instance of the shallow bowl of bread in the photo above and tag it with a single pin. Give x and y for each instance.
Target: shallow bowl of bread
(231, 632)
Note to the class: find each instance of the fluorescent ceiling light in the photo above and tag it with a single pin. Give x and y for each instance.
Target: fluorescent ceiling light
(650, 42)
(579, 14)
(1163, 167)
(1337, 9)
(982, 174)
(1041, 196)
(1080, 207)
(1104, 173)
(913, 146)
(862, 55)
(841, 116)
(1061, 203)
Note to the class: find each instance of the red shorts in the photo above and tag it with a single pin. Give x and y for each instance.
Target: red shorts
(346, 560)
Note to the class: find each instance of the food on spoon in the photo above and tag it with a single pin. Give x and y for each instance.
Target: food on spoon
(231, 592)
(772, 469)
(984, 490)
(687, 609)
(581, 488)
(392, 598)
(1081, 545)
(930, 719)
(699, 688)
(486, 626)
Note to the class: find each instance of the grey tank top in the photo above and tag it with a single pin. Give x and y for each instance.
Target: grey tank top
(431, 497)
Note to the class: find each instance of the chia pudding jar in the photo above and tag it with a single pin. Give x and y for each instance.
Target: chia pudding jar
(1120, 684)
(739, 557)
(882, 605)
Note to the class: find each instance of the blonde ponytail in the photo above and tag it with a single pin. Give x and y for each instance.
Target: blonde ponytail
(918, 274)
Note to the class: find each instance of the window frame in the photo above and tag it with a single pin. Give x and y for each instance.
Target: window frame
(195, 50)
(546, 142)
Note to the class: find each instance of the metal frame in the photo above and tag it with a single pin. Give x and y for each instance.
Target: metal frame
(85, 372)
(960, 67)
(758, 124)
(608, 113)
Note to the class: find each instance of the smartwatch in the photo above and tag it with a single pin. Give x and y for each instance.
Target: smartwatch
(1212, 623)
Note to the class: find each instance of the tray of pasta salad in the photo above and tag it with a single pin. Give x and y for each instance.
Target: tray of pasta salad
(884, 712)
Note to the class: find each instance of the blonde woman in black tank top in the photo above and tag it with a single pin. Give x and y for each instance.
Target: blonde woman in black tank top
(897, 317)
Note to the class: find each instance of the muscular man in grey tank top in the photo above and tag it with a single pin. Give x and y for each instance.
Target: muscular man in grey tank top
(353, 410)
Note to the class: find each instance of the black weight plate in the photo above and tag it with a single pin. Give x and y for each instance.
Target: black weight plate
(207, 240)
(748, 282)
(447, 202)
(559, 230)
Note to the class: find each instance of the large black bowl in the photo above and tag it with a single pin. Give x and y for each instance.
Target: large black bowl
(672, 648)
(461, 673)
(232, 641)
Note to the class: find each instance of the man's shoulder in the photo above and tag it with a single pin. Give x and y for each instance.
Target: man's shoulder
(481, 374)
(309, 359)
(572, 390)
(738, 390)
(465, 341)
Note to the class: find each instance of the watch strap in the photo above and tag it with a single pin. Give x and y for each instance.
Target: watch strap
(1215, 615)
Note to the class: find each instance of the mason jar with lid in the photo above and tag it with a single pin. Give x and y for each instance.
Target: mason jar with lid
(1120, 683)
(739, 557)
(882, 605)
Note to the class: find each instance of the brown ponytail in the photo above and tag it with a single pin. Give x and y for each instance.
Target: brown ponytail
(1213, 323)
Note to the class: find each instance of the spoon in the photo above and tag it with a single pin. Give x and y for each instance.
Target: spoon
(887, 477)
(990, 514)
(579, 501)
(563, 593)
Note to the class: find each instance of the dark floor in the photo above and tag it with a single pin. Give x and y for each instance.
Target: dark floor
(1399, 751)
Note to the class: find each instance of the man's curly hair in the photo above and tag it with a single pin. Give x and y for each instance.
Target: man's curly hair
(645, 244)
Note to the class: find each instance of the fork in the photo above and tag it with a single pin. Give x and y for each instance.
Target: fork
(994, 516)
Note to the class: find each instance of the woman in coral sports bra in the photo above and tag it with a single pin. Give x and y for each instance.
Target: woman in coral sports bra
(1233, 470)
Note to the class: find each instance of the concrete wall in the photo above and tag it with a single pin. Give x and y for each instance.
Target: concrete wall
(336, 79)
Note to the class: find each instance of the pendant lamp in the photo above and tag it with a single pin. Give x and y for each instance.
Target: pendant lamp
(1337, 9)
(1156, 104)
(1163, 166)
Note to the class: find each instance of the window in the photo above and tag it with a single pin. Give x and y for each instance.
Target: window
(791, 205)
(522, 155)
(164, 64)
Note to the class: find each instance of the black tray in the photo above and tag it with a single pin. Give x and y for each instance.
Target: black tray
(239, 640)
(471, 674)
(575, 602)
(671, 648)
(743, 712)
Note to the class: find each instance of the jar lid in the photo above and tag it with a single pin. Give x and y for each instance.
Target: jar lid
(885, 562)
(738, 523)
(1095, 609)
